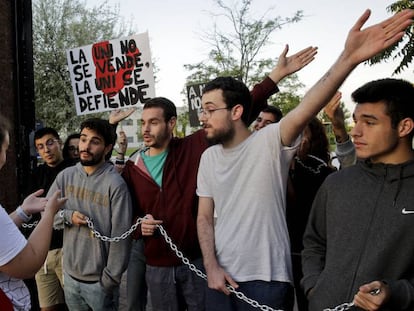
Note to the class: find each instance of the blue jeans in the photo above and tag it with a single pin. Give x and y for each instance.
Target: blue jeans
(136, 286)
(277, 295)
(176, 288)
(81, 296)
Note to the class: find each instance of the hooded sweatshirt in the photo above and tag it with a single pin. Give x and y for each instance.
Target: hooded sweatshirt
(103, 197)
(361, 229)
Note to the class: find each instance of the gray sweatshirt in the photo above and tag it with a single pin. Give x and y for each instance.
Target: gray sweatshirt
(104, 197)
(361, 229)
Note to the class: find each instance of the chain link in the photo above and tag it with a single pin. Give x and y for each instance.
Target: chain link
(341, 307)
(199, 273)
(104, 238)
(193, 268)
(31, 225)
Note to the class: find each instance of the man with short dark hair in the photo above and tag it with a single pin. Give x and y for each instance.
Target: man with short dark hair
(95, 192)
(359, 242)
(269, 115)
(49, 279)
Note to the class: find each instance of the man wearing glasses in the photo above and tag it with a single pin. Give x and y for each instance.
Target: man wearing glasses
(49, 279)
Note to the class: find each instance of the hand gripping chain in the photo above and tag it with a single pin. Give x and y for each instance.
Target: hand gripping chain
(192, 267)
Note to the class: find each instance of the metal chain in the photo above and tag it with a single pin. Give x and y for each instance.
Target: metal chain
(31, 225)
(179, 254)
(104, 238)
(341, 307)
(316, 170)
(192, 267)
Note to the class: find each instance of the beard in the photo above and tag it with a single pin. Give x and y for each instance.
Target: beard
(95, 160)
(158, 140)
(221, 136)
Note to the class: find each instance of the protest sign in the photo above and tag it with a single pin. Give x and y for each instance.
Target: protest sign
(194, 93)
(111, 74)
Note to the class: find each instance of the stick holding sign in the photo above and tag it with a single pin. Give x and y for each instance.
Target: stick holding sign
(111, 74)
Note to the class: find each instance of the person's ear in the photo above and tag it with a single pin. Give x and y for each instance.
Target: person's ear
(171, 123)
(237, 112)
(405, 127)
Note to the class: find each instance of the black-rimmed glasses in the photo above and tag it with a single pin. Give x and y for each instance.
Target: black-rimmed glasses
(208, 112)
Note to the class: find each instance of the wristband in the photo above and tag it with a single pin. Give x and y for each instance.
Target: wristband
(119, 161)
(22, 215)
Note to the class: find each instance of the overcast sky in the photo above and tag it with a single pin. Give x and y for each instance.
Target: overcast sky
(174, 29)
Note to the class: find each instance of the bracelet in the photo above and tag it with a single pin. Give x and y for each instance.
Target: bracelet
(22, 215)
(120, 153)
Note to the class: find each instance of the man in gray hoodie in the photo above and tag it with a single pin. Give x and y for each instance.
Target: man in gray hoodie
(359, 242)
(95, 191)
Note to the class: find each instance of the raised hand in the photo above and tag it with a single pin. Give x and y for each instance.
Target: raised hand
(288, 65)
(118, 115)
(334, 111)
(364, 44)
(122, 142)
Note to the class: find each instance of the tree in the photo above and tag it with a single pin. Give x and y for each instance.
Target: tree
(288, 97)
(236, 53)
(59, 25)
(402, 49)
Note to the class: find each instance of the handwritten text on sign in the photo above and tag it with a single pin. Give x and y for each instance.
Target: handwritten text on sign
(111, 74)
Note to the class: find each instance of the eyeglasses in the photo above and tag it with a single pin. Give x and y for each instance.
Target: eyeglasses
(73, 148)
(208, 112)
(49, 143)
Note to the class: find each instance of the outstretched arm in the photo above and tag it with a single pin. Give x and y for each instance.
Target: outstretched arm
(285, 66)
(360, 45)
(32, 204)
(33, 255)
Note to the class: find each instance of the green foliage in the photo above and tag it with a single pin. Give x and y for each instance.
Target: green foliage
(403, 49)
(182, 123)
(235, 53)
(59, 25)
(288, 97)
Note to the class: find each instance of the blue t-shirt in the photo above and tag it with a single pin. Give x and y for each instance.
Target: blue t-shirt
(155, 165)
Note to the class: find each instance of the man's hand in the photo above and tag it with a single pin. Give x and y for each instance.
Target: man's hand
(372, 296)
(288, 65)
(118, 115)
(122, 142)
(55, 202)
(361, 45)
(149, 225)
(217, 279)
(79, 219)
(334, 111)
(336, 115)
(33, 204)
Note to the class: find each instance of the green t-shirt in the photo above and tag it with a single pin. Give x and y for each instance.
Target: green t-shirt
(155, 165)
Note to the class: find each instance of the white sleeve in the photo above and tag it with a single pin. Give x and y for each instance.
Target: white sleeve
(12, 240)
(203, 182)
